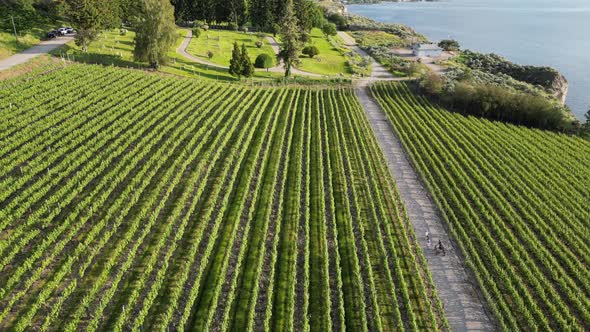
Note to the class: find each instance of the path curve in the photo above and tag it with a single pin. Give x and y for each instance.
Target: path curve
(275, 46)
(281, 68)
(182, 51)
(463, 308)
(43, 47)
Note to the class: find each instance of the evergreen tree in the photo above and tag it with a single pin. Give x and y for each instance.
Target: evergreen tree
(89, 17)
(305, 24)
(184, 10)
(155, 31)
(235, 64)
(247, 66)
(278, 10)
(261, 14)
(222, 10)
(125, 9)
(204, 10)
(238, 12)
(291, 44)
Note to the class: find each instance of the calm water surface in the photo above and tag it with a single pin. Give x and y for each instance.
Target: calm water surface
(555, 33)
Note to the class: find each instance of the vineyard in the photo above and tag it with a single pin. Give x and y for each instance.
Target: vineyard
(517, 203)
(135, 201)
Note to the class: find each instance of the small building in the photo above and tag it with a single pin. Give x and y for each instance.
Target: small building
(427, 50)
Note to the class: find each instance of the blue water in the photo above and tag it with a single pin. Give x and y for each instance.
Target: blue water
(554, 33)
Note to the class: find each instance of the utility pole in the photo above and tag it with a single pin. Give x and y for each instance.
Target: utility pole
(14, 27)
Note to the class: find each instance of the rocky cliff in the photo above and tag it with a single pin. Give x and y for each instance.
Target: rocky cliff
(559, 87)
(546, 78)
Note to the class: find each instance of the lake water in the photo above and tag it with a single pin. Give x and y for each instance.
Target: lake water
(554, 33)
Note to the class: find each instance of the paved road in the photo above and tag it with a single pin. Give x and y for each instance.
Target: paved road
(42, 48)
(463, 308)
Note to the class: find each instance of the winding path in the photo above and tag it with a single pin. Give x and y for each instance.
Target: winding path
(43, 47)
(182, 51)
(273, 43)
(463, 308)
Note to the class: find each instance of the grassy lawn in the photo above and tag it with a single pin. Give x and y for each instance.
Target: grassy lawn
(330, 61)
(377, 38)
(26, 39)
(221, 42)
(111, 48)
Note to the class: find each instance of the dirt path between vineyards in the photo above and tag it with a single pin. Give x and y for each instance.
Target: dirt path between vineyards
(462, 305)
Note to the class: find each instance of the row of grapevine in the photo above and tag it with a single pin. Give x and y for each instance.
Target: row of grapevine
(141, 202)
(514, 200)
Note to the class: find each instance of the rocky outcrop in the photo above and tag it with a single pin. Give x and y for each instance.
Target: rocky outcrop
(559, 87)
(546, 78)
(333, 7)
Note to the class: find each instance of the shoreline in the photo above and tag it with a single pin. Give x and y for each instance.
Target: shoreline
(563, 95)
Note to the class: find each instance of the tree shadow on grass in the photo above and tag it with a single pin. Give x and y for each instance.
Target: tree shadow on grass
(199, 70)
(127, 42)
(175, 65)
(73, 54)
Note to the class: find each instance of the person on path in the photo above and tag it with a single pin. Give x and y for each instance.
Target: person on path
(441, 247)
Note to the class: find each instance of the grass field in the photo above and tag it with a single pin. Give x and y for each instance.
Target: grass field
(9, 46)
(221, 43)
(330, 61)
(516, 201)
(377, 38)
(134, 201)
(114, 49)
(27, 38)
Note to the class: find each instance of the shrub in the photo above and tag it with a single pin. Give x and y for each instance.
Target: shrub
(259, 44)
(449, 45)
(264, 61)
(205, 27)
(276, 29)
(123, 32)
(311, 51)
(432, 83)
(196, 32)
(233, 26)
(329, 29)
(210, 55)
(338, 19)
(244, 28)
(498, 103)
(260, 35)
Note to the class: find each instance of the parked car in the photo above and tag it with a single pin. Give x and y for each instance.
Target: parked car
(62, 31)
(52, 34)
(69, 30)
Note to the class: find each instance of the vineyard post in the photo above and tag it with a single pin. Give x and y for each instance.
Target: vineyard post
(14, 28)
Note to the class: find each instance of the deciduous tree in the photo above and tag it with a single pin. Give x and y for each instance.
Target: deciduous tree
(449, 45)
(155, 31)
(329, 29)
(89, 17)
